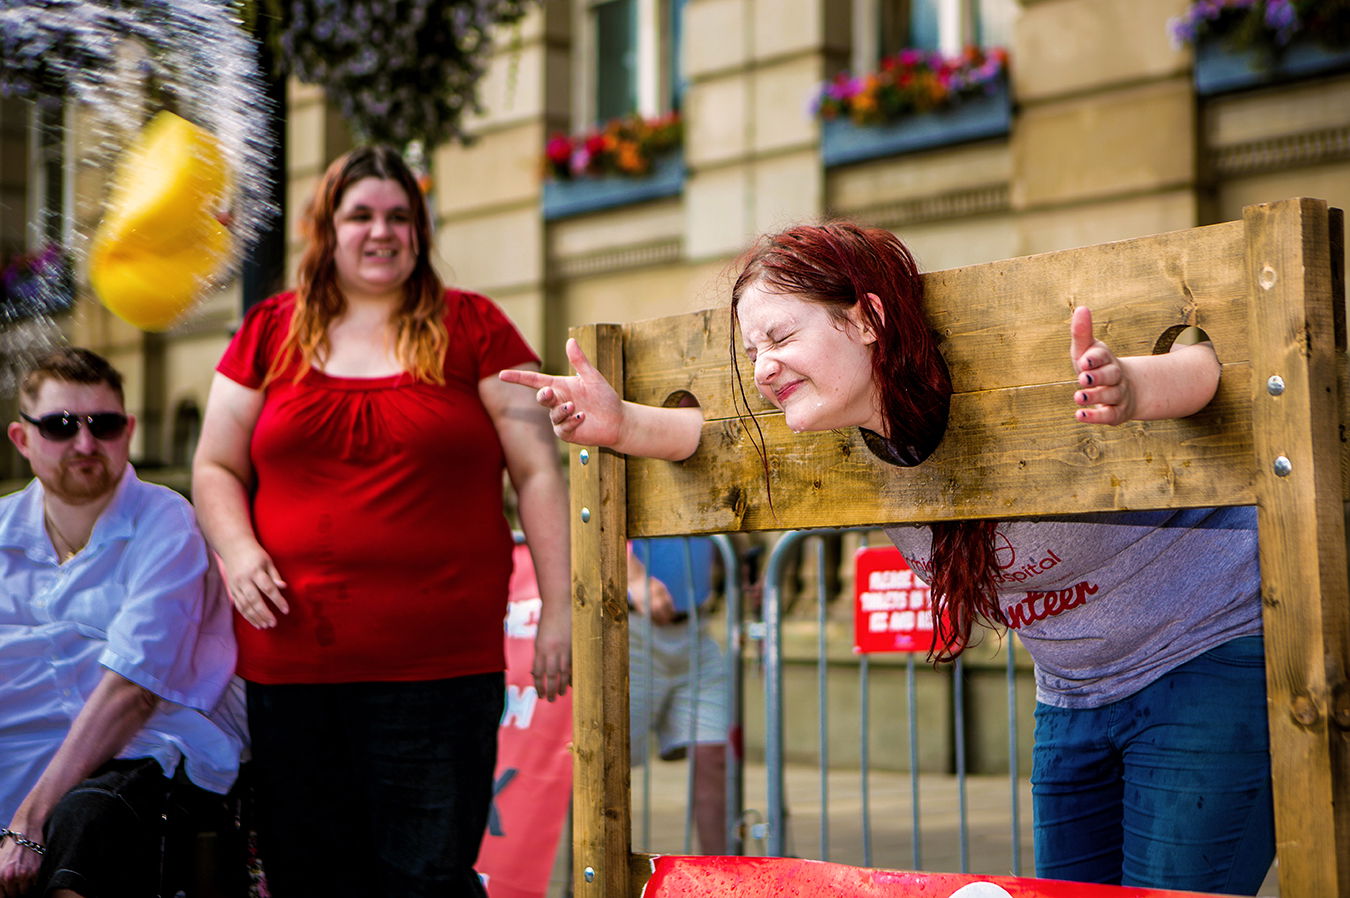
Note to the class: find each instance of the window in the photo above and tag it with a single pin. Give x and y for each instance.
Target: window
(884, 27)
(47, 184)
(628, 59)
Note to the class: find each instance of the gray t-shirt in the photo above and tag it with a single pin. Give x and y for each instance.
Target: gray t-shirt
(1108, 603)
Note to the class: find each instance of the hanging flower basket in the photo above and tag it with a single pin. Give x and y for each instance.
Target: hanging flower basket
(398, 70)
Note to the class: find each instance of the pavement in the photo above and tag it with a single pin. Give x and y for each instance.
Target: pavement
(840, 835)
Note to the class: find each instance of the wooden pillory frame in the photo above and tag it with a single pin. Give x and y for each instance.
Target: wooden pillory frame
(1270, 292)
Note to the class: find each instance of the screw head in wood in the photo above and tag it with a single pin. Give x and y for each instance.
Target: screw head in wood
(1275, 386)
(585, 515)
(584, 455)
(589, 873)
(1283, 466)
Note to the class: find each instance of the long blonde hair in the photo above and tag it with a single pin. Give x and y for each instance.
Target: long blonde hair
(421, 337)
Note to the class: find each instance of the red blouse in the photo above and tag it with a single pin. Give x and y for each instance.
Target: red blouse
(380, 502)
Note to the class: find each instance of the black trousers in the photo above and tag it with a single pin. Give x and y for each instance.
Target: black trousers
(374, 789)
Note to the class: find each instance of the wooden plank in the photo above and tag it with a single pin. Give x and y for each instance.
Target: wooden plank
(1302, 536)
(1009, 453)
(601, 806)
(988, 315)
(639, 873)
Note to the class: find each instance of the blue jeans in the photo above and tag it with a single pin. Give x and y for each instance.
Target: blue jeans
(1167, 788)
(366, 790)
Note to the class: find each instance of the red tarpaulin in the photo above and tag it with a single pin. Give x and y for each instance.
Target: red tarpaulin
(758, 877)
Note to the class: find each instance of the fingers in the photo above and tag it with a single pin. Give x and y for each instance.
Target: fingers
(577, 359)
(18, 871)
(251, 594)
(553, 677)
(1101, 414)
(1080, 334)
(272, 587)
(533, 379)
(1101, 405)
(248, 601)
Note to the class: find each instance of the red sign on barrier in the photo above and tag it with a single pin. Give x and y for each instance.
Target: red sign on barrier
(891, 609)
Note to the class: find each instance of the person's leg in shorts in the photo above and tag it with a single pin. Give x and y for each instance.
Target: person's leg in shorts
(103, 838)
(648, 691)
(693, 676)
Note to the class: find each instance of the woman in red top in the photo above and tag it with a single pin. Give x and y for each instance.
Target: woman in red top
(349, 475)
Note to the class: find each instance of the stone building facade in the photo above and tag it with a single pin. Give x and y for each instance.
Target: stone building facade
(1108, 131)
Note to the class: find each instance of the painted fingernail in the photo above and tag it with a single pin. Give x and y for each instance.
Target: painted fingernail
(1089, 379)
(1080, 398)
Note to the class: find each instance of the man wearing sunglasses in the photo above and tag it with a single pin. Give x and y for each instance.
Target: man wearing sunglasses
(116, 648)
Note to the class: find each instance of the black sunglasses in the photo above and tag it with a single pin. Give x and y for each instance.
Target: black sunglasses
(61, 426)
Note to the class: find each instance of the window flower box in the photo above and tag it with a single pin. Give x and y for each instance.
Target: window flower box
(591, 194)
(629, 160)
(842, 142)
(916, 101)
(1219, 68)
(1250, 43)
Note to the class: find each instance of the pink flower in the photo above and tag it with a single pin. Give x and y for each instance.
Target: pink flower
(558, 149)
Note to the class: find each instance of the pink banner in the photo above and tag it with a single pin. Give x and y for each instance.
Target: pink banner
(758, 877)
(534, 767)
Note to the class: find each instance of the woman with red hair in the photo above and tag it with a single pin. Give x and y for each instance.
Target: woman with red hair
(1151, 765)
(349, 476)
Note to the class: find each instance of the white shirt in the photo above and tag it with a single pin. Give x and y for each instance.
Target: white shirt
(138, 600)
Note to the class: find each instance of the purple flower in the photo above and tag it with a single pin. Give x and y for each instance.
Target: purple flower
(1282, 18)
(581, 160)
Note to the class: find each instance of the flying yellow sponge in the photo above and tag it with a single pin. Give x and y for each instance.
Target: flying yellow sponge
(159, 243)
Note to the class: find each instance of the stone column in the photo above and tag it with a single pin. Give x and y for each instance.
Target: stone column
(751, 144)
(1104, 146)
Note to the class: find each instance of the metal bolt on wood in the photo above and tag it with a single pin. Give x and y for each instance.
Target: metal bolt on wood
(1283, 466)
(585, 515)
(589, 873)
(584, 455)
(1275, 386)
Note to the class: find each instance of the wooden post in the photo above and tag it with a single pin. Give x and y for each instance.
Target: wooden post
(601, 807)
(1297, 426)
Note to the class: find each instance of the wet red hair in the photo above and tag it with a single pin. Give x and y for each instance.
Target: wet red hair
(420, 335)
(838, 264)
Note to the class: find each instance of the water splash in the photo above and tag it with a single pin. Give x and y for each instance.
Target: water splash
(121, 62)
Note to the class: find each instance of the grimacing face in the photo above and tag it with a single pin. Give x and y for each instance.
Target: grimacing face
(814, 367)
(82, 469)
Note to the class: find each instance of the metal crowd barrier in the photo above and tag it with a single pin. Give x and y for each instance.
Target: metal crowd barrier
(750, 831)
